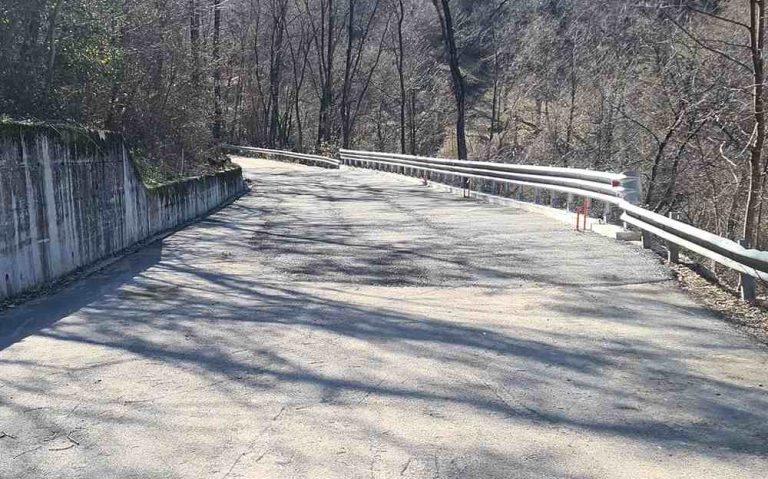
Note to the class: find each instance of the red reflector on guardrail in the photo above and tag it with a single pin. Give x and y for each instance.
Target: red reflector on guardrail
(615, 183)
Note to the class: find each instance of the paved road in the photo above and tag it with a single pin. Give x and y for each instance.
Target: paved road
(350, 324)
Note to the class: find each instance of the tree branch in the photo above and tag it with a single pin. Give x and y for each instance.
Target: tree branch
(705, 46)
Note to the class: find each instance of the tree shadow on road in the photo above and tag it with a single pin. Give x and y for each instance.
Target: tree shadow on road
(634, 374)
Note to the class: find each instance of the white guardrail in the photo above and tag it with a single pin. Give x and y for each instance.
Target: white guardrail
(314, 160)
(621, 190)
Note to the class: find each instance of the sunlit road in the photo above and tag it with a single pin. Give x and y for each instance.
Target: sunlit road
(350, 324)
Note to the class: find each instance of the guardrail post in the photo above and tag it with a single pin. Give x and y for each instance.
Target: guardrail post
(645, 239)
(537, 195)
(673, 251)
(747, 285)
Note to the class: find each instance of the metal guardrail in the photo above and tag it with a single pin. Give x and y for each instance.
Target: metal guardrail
(314, 160)
(622, 190)
(608, 187)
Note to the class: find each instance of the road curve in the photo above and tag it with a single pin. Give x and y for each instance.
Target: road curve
(348, 323)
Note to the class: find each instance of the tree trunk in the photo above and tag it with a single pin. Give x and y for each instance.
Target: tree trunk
(345, 90)
(194, 41)
(275, 63)
(459, 91)
(401, 72)
(327, 49)
(657, 162)
(216, 58)
(757, 35)
(298, 82)
(572, 109)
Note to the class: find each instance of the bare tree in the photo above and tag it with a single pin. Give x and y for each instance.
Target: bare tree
(399, 55)
(449, 39)
(755, 32)
(216, 59)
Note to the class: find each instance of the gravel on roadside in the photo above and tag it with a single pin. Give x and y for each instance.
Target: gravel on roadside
(752, 319)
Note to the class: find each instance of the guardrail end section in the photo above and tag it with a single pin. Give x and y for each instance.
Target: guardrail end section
(631, 187)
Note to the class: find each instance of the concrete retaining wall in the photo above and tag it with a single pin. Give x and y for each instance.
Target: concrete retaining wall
(69, 198)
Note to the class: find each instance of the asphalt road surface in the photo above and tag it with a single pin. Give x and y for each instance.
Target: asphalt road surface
(354, 324)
